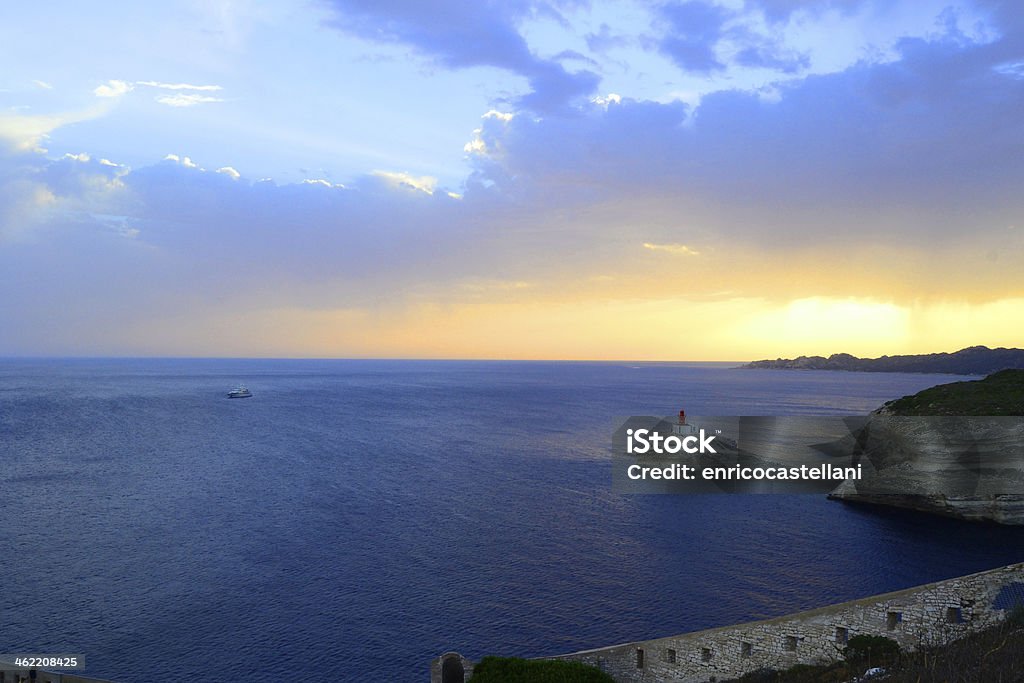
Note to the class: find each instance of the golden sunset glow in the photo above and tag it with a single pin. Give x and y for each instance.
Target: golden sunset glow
(667, 329)
(763, 192)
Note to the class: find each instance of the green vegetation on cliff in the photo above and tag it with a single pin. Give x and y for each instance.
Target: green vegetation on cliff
(1001, 393)
(514, 670)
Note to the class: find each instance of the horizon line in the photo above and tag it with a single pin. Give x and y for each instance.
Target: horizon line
(365, 358)
(8, 356)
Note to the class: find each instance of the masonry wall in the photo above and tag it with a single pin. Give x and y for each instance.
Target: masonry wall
(925, 615)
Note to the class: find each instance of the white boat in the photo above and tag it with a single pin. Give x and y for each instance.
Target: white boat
(239, 392)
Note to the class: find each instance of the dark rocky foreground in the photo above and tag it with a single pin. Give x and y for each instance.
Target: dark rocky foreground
(974, 360)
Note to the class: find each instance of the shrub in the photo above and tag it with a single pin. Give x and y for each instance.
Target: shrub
(872, 650)
(1015, 617)
(513, 670)
(801, 673)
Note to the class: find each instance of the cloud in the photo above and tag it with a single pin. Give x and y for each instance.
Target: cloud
(460, 35)
(501, 116)
(933, 128)
(678, 249)
(184, 161)
(574, 56)
(756, 50)
(186, 100)
(781, 10)
(115, 88)
(604, 40)
(35, 191)
(25, 132)
(179, 86)
(485, 134)
(769, 56)
(22, 202)
(605, 100)
(112, 88)
(230, 172)
(425, 184)
(892, 184)
(694, 29)
(552, 87)
(42, 85)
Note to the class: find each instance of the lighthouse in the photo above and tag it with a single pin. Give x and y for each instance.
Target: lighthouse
(682, 427)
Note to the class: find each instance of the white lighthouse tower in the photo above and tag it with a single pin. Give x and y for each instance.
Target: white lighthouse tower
(683, 428)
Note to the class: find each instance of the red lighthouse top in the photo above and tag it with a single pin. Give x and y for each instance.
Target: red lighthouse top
(682, 417)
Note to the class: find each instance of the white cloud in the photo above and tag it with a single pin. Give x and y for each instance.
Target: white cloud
(317, 181)
(680, 249)
(186, 100)
(495, 114)
(178, 86)
(423, 183)
(604, 101)
(1014, 69)
(229, 171)
(112, 88)
(25, 132)
(42, 85)
(184, 161)
(476, 145)
(83, 157)
(116, 88)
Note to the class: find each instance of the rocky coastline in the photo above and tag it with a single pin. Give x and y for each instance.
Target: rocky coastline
(955, 450)
(973, 360)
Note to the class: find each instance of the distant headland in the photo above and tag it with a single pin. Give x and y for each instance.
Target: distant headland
(974, 360)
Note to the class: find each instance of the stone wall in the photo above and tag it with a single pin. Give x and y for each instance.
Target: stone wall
(925, 615)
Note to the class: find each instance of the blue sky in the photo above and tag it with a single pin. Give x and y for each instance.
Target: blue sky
(510, 179)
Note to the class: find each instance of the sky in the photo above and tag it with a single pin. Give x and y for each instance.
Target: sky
(563, 179)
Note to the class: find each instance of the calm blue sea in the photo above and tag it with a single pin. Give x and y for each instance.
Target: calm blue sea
(355, 519)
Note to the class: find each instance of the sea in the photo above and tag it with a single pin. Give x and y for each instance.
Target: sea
(354, 519)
